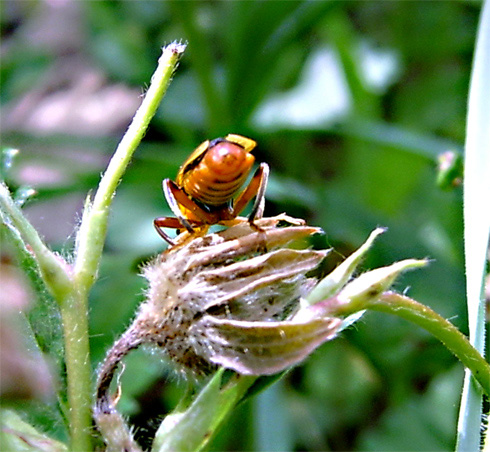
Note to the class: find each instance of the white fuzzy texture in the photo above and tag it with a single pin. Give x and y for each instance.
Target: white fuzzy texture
(213, 297)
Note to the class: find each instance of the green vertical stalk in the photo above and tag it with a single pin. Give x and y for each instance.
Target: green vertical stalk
(88, 252)
(477, 225)
(77, 357)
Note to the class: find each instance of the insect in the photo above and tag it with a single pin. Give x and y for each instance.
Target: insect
(205, 189)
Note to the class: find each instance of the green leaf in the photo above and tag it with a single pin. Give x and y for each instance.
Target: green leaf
(19, 436)
(44, 316)
(266, 32)
(191, 429)
(337, 279)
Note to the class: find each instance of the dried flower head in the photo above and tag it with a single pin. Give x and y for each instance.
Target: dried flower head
(241, 299)
(228, 299)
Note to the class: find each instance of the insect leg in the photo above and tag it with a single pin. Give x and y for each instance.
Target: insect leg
(258, 208)
(256, 188)
(178, 199)
(166, 222)
(172, 192)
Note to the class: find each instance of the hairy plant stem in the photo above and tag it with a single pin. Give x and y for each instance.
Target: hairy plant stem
(56, 274)
(91, 236)
(54, 270)
(77, 357)
(88, 252)
(455, 341)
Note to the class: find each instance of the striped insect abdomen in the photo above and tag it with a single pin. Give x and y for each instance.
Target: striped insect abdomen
(219, 175)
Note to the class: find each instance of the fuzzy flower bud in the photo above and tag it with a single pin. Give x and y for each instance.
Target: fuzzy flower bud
(227, 299)
(242, 300)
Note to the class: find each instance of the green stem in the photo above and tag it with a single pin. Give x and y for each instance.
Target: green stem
(54, 270)
(78, 369)
(91, 236)
(89, 246)
(446, 332)
(55, 273)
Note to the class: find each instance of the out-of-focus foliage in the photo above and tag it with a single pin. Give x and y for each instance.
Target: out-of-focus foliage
(351, 104)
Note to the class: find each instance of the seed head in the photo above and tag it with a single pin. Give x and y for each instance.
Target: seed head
(240, 299)
(228, 299)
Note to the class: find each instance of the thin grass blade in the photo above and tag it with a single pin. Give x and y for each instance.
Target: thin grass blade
(477, 224)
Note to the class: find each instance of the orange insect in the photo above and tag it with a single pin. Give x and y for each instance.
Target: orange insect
(204, 191)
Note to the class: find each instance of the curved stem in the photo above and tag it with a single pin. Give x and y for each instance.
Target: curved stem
(91, 236)
(446, 332)
(111, 424)
(54, 270)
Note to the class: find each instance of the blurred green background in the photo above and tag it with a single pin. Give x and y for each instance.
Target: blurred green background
(351, 104)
